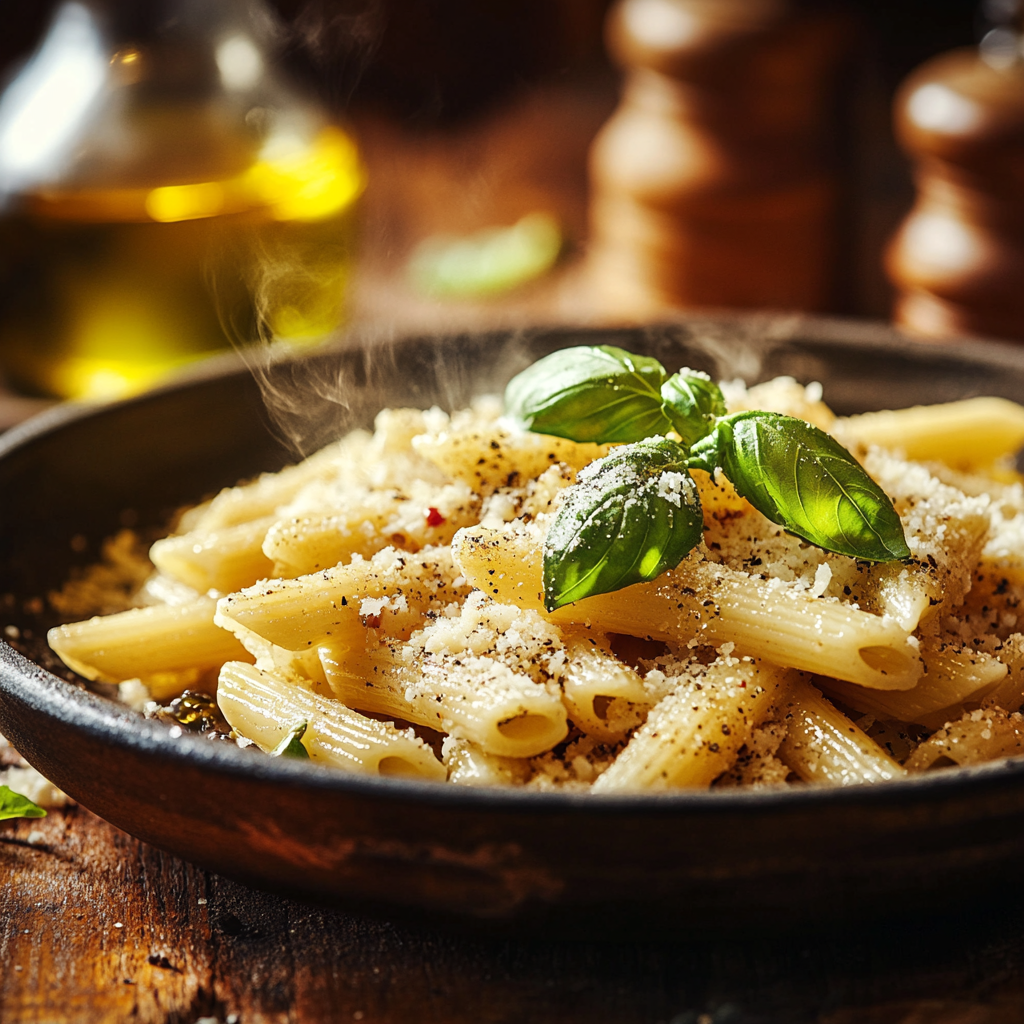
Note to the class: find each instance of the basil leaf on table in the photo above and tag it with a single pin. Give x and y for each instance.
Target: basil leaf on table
(693, 401)
(630, 516)
(596, 394)
(14, 805)
(806, 481)
(291, 744)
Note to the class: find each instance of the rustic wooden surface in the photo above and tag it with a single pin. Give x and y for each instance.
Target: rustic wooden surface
(96, 927)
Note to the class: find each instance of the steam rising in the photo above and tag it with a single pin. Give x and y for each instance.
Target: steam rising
(316, 398)
(340, 39)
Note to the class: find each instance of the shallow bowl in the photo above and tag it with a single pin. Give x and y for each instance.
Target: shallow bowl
(687, 862)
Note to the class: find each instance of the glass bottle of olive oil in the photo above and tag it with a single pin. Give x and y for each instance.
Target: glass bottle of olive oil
(163, 196)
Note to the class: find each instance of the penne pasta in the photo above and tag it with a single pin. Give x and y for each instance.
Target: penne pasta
(145, 642)
(301, 667)
(392, 590)
(423, 517)
(695, 734)
(1008, 694)
(265, 495)
(823, 745)
(954, 674)
(604, 697)
(494, 456)
(707, 602)
(387, 596)
(470, 766)
(978, 736)
(967, 434)
(449, 679)
(223, 560)
(306, 544)
(264, 708)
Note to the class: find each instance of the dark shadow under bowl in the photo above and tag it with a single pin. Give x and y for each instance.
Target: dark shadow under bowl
(688, 862)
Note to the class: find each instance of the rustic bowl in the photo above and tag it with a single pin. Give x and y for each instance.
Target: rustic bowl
(687, 862)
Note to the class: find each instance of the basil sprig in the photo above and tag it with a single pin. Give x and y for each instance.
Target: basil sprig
(14, 805)
(636, 512)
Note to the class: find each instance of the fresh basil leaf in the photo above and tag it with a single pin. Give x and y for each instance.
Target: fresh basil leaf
(291, 745)
(693, 401)
(594, 394)
(806, 481)
(629, 517)
(14, 805)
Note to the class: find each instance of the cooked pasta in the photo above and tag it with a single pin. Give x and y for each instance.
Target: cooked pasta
(380, 609)
(263, 708)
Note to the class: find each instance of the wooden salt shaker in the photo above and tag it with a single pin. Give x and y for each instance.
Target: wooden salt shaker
(957, 261)
(711, 184)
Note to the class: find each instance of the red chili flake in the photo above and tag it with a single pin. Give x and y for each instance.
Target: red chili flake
(743, 684)
(434, 518)
(371, 621)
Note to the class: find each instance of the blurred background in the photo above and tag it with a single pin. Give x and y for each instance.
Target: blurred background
(493, 164)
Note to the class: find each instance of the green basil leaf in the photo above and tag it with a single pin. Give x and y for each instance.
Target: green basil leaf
(291, 745)
(14, 805)
(806, 481)
(694, 402)
(629, 517)
(594, 394)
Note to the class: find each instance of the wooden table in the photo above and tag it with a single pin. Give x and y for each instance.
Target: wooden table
(97, 927)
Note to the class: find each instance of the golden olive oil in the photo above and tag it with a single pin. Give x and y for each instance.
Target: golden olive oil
(103, 291)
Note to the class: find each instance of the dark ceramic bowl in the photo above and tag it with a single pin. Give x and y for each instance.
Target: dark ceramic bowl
(690, 861)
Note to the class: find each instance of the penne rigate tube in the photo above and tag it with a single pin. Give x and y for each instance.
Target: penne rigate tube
(971, 433)
(296, 666)
(306, 544)
(329, 606)
(263, 496)
(980, 735)
(422, 516)
(823, 745)
(1009, 694)
(695, 733)
(226, 559)
(502, 712)
(145, 642)
(496, 456)
(470, 766)
(710, 603)
(951, 677)
(264, 709)
(595, 683)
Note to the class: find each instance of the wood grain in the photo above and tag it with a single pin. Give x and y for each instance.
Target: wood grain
(97, 927)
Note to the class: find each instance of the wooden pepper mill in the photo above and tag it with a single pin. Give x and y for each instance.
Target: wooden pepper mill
(712, 183)
(957, 261)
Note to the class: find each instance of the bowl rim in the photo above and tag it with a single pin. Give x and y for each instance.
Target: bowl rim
(105, 720)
